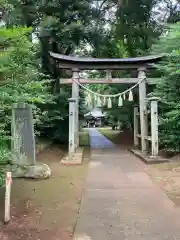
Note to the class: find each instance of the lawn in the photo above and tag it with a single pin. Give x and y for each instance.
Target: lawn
(109, 133)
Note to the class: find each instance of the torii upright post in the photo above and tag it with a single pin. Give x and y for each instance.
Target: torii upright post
(72, 103)
(154, 126)
(143, 108)
(136, 128)
(75, 95)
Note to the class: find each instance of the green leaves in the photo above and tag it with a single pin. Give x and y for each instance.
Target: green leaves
(21, 81)
(135, 26)
(169, 88)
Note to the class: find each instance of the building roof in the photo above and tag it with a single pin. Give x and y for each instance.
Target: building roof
(96, 113)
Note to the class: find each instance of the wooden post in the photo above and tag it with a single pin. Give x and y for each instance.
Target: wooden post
(143, 108)
(7, 215)
(75, 94)
(72, 102)
(154, 126)
(108, 74)
(136, 123)
(23, 139)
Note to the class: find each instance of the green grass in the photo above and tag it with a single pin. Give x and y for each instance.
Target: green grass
(109, 133)
(84, 137)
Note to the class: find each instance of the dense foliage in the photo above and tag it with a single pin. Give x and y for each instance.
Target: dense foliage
(21, 80)
(168, 89)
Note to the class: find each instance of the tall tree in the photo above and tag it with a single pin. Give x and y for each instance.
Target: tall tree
(135, 26)
(20, 12)
(21, 80)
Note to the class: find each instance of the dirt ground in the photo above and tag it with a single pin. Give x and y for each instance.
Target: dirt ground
(46, 210)
(167, 176)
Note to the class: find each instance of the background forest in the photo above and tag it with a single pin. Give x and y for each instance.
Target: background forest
(108, 28)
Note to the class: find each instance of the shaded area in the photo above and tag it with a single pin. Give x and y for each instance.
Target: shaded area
(46, 209)
(97, 140)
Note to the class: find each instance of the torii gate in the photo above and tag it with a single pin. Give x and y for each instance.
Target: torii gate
(141, 64)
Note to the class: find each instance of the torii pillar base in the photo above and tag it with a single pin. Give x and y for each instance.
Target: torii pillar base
(75, 159)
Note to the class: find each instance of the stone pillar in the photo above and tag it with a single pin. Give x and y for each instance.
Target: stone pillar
(23, 139)
(154, 126)
(75, 94)
(143, 109)
(72, 103)
(136, 124)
